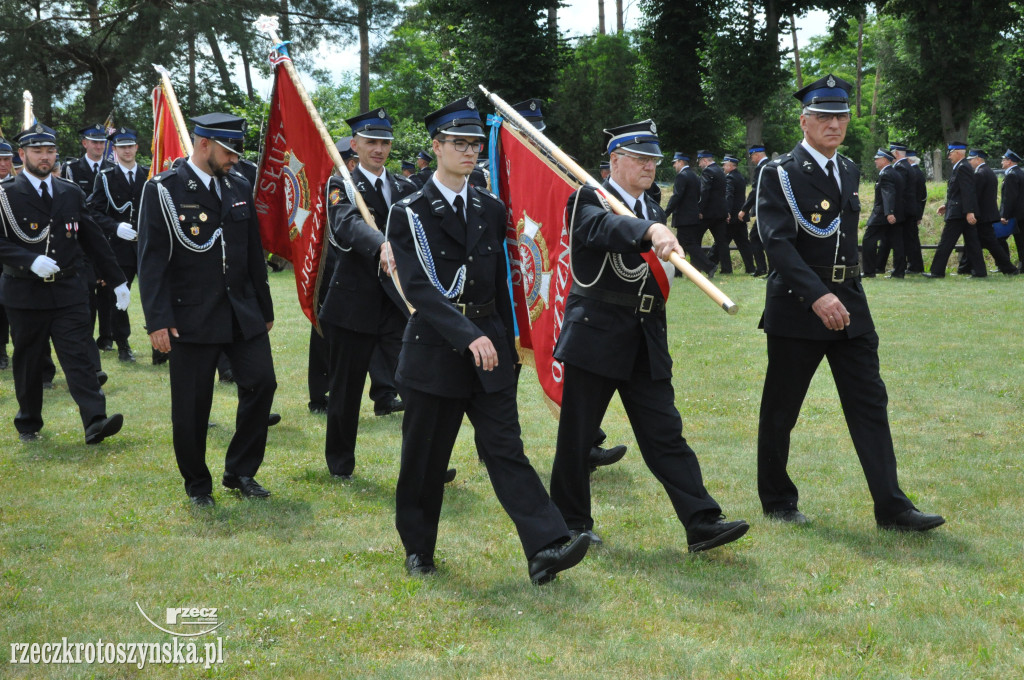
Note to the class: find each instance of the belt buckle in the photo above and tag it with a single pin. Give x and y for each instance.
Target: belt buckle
(49, 279)
(646, 303)
(461, 306)
(838, 273)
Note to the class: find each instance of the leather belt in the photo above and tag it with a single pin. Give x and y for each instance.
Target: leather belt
(16, 273)
(838, 273)
(471, 311)
(643, 304)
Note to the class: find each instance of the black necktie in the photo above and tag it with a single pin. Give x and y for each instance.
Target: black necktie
(831, 167)
(44, 193)
(638, 209)
(95, 168)
(213, 189)
(459, 207)
(378, 187)
(131, 177)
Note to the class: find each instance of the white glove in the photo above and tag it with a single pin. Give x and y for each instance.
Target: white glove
(44, 266)
(124, 296)
(125, 231)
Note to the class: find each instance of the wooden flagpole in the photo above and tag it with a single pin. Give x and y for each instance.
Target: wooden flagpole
(578, 175)
(172, 101)
(27, 116)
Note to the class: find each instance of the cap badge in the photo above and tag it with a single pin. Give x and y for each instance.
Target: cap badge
(831, 82)
(123, 131)
(533, 106)
(380, 114)
(470, 104)
(39, 128)
(654, 128)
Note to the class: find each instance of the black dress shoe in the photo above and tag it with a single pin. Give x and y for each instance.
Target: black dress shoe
(760, 272)
(160, 357)
(203, 500)
(594, 538)
(101, 376)
(28, 437)
(712, 532)
(126, 355)
(103, 428)
(600, 457)
(929, 275)
(912, 520)
(386, 407)
(419, 565)
(5, 362)
(343, 478)
(788, 515)
(318, 409)
(273, 419)
(449, 476)
(247, 485)
(105, 345)
(545, 565)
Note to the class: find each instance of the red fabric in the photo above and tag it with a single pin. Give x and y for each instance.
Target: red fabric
(167, 144)
(290, 189)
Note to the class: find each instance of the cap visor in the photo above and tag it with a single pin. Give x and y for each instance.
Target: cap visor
(829, 107)
(232, 145)
(643, 149)
(375, 134)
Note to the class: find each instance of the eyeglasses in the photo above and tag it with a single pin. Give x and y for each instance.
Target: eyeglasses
(640, 160)
(821, 117)
(462, 145)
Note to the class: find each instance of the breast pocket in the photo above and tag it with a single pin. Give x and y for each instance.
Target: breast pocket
(854, 203)
(240, 213)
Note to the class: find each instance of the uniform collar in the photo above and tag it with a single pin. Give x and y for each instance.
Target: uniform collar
(204, 177)
(622, 192)
(450, 195)
(125, 170)
(820, 158)
(35, 181)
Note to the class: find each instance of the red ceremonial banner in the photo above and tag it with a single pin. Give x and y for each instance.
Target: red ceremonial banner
(535, 196)
(167, 144)
(290, 186)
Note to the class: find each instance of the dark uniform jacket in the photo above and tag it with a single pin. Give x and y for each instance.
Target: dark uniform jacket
(684, 206)
(920, 191)
(960, 195)
(113, 201)
(420, 177)
(80, 172)
(735, 192)
(889, 192)
(907, 194)
(73, 235)
(205, 295)
(360, 296)
(985, 187)
(750, 205)
(1013, 195)
(435, 357)
(599, 336)
(793, 286)
(712, 193)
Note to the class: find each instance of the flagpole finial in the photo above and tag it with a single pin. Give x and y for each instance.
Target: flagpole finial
(27, 96)
(161, 70)
(266, 23)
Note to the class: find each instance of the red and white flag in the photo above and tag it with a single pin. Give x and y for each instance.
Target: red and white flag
(167, 145)
(293, 174)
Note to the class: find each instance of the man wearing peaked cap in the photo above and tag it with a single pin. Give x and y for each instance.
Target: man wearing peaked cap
(614, 339)
(815, 308)
(362, 313)
(1012, 206)
(759, 157)
(6, 171)
(459, 357)
(408, 169)
(203, 283)
(735, 195)
(985, 184)
(684, 208)
(6, 159)
(900, 234)
(886, 216)
(531, 111)
(605, 169)
(423, 161)
(48, 233)
(713, 212)
(115, 203)
(960, 212)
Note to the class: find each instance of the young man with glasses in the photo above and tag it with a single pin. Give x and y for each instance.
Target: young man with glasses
(614, 339)
(815, 308)
(459, 357)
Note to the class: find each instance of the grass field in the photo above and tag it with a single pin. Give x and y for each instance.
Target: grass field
(310, 583)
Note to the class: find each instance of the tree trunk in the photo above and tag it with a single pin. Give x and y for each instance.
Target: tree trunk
(955, 117)
(191, 71)
(796, 53)
(618, 16)
(755, 129)
(860, 59)
(284, 22)
(553, 23)
(244, 51)
(218, 59)
(600, 17)
(363, 19)
(874, 98)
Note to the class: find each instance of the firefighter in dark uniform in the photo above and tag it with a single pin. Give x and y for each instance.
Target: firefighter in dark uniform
(421, 176)
(47, 231)
(713, 210)
(458, 354)
(362, 312)
(886, 216)
(757, 155)
(614, 338)
(6, 170)
(115, 202)
(1011, 206)
(985, 185)
(911, 235)
(408, 170)
(735, 195)
(203, 283)
(684, 208)
(960, 211)
(815, 307)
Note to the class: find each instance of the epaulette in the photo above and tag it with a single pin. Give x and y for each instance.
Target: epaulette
(410, 198)
(9, 178)
(106, 169)
(485, 192)
(64, 179)
(785, 158)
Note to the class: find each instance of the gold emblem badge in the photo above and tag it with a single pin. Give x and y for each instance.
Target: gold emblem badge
(202, 217)
(825, 205)
(34, 226)
(816, 217)
(195, 230)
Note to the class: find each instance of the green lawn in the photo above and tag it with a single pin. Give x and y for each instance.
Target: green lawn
(310, 583)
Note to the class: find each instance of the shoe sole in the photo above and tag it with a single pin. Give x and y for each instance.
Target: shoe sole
(609, 461)
(573, 556)
(918, 529)
(721, 539)
(110, 428)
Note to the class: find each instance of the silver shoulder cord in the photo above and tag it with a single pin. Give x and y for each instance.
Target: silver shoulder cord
(174, 227)
(110, 199)
(9, 214)
(619, 267)
(330, 232)
(426, 260)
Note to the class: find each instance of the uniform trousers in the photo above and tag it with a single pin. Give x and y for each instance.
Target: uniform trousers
(691, 237)
(719, 232)
(736, 232)
(951, 233)
(351, 354)
(120, 325)
(429, 428)
(757, 248)
(70, 330)
(192, 370)
(318, 366)
(912, 246)
(792, 363)
(891, 235)
(987, 239)
(657, 426)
